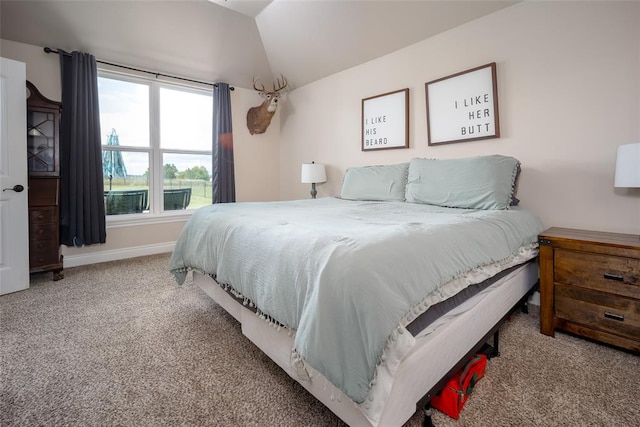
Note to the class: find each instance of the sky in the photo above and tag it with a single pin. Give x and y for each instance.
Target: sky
(185, 122)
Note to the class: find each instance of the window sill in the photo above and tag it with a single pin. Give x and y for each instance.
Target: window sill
(116, 221)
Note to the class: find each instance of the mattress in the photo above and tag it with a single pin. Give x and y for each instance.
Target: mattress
(436, 312)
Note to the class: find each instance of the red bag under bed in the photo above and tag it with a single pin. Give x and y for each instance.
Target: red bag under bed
(455, 393)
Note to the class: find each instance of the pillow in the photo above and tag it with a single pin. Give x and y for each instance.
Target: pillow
(514, 199)
(484, 182)
(378, 183)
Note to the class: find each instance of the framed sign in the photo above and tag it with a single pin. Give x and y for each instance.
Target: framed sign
(463, 106)
(385, 121)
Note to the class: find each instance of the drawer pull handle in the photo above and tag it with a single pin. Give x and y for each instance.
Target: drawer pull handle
(611, 276)
(614, 316)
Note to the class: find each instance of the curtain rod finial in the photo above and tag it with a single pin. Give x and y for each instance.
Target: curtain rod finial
(230, 87)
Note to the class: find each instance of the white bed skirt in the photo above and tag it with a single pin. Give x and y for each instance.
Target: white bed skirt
(437, 350)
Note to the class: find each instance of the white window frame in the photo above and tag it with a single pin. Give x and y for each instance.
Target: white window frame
(156, 213)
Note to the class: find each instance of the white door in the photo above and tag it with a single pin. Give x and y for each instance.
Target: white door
(14, 232)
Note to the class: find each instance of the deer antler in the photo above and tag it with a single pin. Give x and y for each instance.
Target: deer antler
(255, 80)
(281, 84)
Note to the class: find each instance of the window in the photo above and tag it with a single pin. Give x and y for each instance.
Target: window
(156, 145)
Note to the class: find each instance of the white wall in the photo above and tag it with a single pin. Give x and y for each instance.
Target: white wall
(569, 94)
(43, 69)
(256, 165)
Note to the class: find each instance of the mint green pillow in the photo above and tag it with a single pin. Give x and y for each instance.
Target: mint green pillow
(376, 183)
(484, 182)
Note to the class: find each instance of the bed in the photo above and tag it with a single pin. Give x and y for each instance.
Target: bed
(370, 299)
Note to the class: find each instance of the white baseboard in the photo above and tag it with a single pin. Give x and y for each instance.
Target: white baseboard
(117, 254)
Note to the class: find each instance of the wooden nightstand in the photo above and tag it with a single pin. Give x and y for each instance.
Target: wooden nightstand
(590, 285)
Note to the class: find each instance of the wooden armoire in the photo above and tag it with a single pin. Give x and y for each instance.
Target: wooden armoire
(43, 129)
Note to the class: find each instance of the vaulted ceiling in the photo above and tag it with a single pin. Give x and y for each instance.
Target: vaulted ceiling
(236, 40)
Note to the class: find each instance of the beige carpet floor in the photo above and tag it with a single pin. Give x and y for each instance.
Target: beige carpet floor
(121, 344)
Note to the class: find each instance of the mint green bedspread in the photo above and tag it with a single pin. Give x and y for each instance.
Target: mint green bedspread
(345, 274)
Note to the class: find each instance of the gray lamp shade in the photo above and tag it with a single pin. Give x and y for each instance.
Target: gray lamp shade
(628, 166)
(313, 173)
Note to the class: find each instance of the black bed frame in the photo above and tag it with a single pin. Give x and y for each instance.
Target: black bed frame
(481, 346)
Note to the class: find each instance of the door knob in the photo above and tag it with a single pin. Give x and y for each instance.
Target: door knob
(17, 188)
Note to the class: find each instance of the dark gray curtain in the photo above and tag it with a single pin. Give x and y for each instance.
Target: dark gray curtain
(82, 217)
(224, 183)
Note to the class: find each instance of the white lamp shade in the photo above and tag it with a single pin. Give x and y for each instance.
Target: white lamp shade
(628, 166)
(313, 173)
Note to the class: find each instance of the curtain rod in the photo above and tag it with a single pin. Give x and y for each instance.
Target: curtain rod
(62, 52)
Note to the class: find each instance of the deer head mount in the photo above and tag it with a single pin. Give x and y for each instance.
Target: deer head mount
(259, 118)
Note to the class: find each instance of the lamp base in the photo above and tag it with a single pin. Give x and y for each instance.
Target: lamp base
(313, 190)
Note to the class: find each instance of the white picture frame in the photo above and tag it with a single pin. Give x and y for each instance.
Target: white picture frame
(385, 121)
(463, 107)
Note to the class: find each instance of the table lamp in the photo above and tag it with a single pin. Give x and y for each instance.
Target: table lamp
(628, 166)
(313, 173)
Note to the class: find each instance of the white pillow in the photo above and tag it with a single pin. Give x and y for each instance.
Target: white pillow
(484, 182)
(377, 183)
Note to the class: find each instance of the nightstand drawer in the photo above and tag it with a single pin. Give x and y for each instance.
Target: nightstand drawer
(601, 311)
(606, 273)
(43, 231)
(43, 215)
(43, 252)
(39, 246)
(40, 259)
